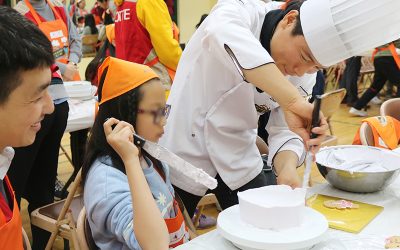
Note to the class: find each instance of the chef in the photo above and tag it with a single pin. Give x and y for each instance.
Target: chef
(236, 62)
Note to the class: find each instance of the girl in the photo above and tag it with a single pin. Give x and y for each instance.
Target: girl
(90, 25)
(89, 29)
(127, 193)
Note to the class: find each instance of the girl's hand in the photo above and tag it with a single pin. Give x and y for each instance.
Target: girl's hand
(121, 138)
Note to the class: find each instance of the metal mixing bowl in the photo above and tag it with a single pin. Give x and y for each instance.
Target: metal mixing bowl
(365, 180)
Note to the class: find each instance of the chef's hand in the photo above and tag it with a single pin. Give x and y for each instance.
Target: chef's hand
(71, 70)
(298, 118)
(289, 176)
(285, 165)
(120, 138)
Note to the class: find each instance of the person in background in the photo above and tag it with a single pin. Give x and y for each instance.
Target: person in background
(349, 79)
(134, 206)
(108, 20)
(98, 10)
(34, 168)
(147, 37)
(67, 49)
(70, 5)
(387, 68)
(89, 29)
(78, 138)
(80, 12)
(25, 75)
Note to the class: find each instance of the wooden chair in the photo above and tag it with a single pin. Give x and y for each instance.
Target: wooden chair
(367, 72)
(333, 75)
(330, 103)
(59, 217)
(84, 234)
(366, 135)
(27, 244)
(391, 108)
(208, 199)
(90, 41)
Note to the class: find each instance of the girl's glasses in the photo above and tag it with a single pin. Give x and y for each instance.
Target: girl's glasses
(157, 114)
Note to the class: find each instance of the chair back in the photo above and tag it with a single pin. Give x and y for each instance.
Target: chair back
(391, 108)
(84, 232)
(90, 41)
(366, 135)
(27, 244)
(330, 102)
(367, 65)
(333, 75)
(59, 218)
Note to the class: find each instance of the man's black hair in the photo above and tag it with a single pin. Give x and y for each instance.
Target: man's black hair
(23, 47)
(295, 5)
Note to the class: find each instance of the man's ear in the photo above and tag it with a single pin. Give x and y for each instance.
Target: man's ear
(290, 18)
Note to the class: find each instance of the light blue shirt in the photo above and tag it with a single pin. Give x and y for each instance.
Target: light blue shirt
(108, 203)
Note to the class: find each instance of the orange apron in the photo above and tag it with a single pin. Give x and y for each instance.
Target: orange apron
(393, 51)
(57, 32)
(11, 231)
(178, 232)
(385, 130)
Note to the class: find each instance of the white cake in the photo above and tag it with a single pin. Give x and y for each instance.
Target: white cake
(273, 207)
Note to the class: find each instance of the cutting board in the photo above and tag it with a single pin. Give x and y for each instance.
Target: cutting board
(349, 220)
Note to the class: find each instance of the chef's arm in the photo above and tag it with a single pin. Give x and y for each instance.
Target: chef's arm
(269, 79)
(262, 146)
(286, 150)
(285, 165)
(296, 109)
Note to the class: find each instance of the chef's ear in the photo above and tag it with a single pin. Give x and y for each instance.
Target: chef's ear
(289, 20)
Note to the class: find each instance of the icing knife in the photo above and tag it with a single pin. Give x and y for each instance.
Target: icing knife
(315, 121)
(183, 167)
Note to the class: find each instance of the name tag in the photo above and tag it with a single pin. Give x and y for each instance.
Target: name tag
(56, 43)
(58, 53)
(56, 34)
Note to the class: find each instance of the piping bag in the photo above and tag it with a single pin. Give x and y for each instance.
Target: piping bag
(315, 121)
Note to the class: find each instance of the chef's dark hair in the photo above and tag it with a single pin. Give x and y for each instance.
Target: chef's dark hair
(123, 108)
(294, 5)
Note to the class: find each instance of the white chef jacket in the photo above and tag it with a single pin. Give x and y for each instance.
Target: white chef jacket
(212, 119)
(280, 137)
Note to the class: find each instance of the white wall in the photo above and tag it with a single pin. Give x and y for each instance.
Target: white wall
(189, 13)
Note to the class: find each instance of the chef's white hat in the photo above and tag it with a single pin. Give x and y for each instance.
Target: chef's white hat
(338, 29)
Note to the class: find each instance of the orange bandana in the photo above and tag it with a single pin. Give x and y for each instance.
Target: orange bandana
(122, 76)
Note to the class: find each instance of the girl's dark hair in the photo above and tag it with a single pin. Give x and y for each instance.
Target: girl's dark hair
(123, 108)
(89, 21)
(295, 5)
